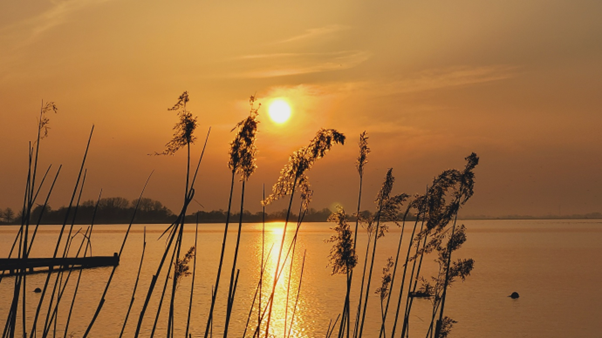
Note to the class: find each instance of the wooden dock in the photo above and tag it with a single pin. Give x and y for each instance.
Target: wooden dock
(11, 266)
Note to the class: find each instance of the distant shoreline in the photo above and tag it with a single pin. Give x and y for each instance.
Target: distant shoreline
(523, 218)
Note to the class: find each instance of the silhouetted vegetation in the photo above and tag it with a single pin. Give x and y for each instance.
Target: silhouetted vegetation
(435, 232)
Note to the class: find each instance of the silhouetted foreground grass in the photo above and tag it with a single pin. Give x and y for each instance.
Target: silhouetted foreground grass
(432, 216)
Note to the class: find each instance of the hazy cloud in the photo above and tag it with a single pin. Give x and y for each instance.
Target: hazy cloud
(26, 30)
(303, 63)
(315, 32)
(450, 77)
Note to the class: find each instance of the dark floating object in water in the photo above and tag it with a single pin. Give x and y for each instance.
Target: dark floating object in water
(37, 290)
(514, 295)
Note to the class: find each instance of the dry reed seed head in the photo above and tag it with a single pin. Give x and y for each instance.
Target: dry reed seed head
(461, 268)
(385, 190)
(44, 120)
(181, 104)
(242, 149)
(383, 290)
(392, 207)
(467, 186)
(181, 267)
(364, 151)
(305, 192)
(342, 255)
(302, 160)
(446, 325)
(183, 130)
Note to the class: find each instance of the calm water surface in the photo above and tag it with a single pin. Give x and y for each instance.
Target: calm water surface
(555, 266)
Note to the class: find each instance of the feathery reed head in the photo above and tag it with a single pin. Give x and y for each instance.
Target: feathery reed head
(44, 120)
(242, 148)
(362, 159)
(305, 192)
(183, 130)
(383, 290)
(342, 255)
(467, 187)
(385, 190)
(181, 268)
(302, 160)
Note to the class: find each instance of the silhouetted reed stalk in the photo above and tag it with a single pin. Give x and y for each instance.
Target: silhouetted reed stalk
(196, 236)
(370, 230)
(381, 199)
(361, 162)
(278, 273)
(46, 283)
(127, 314)
(59, 288)
(183, 136)
(394, 273)
(79, 276)
(332, 326)
(30, 196)
(257, 294)
(306, 198)
(160, 306)
(405, 268)
(342, 256)
(291, 175)
(242, 161)
(298, 292)
(108, 283)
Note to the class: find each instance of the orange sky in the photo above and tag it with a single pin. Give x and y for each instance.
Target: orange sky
(517, 82)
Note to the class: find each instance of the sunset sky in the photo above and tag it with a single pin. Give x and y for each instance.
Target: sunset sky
(517, 82)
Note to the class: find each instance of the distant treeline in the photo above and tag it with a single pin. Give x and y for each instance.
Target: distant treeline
(119, 210)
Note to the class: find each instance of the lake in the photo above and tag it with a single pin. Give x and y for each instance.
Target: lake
(555, 266)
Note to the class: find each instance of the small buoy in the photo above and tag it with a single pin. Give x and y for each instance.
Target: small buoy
(37, 290)
(514, 295)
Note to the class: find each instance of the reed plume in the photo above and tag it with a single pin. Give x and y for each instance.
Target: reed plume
(301, 161)
(181, 267)
(342, 255)
(184, 129)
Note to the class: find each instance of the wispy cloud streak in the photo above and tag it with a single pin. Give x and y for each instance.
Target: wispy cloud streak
(303, 63)
(313, 33)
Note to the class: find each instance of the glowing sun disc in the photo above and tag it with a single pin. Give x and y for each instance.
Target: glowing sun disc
(279, 111)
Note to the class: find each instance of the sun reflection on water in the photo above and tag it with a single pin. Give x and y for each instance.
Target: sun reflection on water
(287, 292)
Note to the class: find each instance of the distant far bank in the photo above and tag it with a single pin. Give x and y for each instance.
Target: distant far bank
(592, 215)
(118, 210)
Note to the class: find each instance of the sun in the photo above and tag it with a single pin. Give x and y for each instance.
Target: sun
(279, 111)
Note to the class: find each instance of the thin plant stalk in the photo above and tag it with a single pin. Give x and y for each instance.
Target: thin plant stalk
(60, 274)
(386, 308)
(298, 292)
(221, 258)
(108, 283)
(196, 235)
(403, 279)
(230, 291)
(45, 287)
(127, 314)
(361, 162)
(288, 212)
(86, 235)
(170, 240)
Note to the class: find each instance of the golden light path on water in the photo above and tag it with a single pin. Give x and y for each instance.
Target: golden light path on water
(288, 307)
